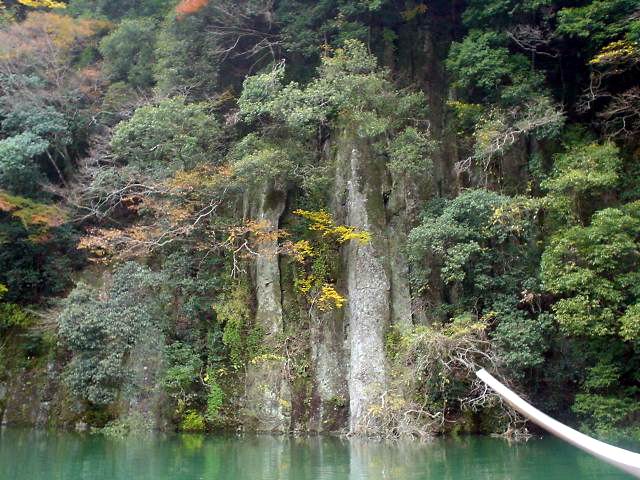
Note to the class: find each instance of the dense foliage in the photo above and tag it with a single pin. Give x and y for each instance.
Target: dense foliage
(142, 142)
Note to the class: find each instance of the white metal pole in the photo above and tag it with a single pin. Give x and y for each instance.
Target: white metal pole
(618, 457)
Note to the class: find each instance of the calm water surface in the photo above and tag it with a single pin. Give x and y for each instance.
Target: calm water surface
(31, 455)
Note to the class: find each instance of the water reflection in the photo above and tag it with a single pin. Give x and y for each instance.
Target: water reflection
(32, 455)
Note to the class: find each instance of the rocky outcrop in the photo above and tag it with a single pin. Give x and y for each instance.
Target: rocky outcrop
(143, 398)
(267, 398)
(330, 406)
(359, 181)
(37, 396)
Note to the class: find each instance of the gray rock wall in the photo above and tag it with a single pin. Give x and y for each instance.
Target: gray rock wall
(359, 178)
(267, 398)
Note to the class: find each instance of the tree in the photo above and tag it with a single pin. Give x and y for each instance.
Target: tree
(42, 4)
(207, 47)
(167, 184)
(594, 272)
(42, 125)
(128, 52)
(31, 214)
(118, 9)
(12, 316)
(480, 13)
(45, 40)
(187, 57)
(598, 21)
(351, 91)
(101, 331)
(499, 130)
(187, 7)
(477, 242)
(184, 369)
(485, 70)
(594, 269)
(478, 246)
(169, 136)
(35, 4)
(19, 172)
(317, 258)
(307, 27)
(44, 95)
(37, 251)
(610, 94)
(581, 177)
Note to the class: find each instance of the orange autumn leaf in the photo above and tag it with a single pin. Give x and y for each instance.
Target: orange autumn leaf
(46, 33)
(5, 205)
(31, 213)
(198, 179)
(107, 244)
(50, 220)
(187, 7)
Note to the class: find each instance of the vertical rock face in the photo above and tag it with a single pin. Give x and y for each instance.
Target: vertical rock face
(37, 397)
(360, 175)
(267, 274)
(25, 402)
(267, 402)
(329, 403)
(402, 212)
(143, 400)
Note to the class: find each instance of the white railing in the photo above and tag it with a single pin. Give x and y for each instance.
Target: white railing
(618, 457)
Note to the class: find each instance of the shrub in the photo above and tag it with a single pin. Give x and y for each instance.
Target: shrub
(100, 330)
(192, 422)
(169, 136)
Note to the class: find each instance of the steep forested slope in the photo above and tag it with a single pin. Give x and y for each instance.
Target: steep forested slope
(319, 215)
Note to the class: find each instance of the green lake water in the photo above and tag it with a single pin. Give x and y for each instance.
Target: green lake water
(34, 455)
